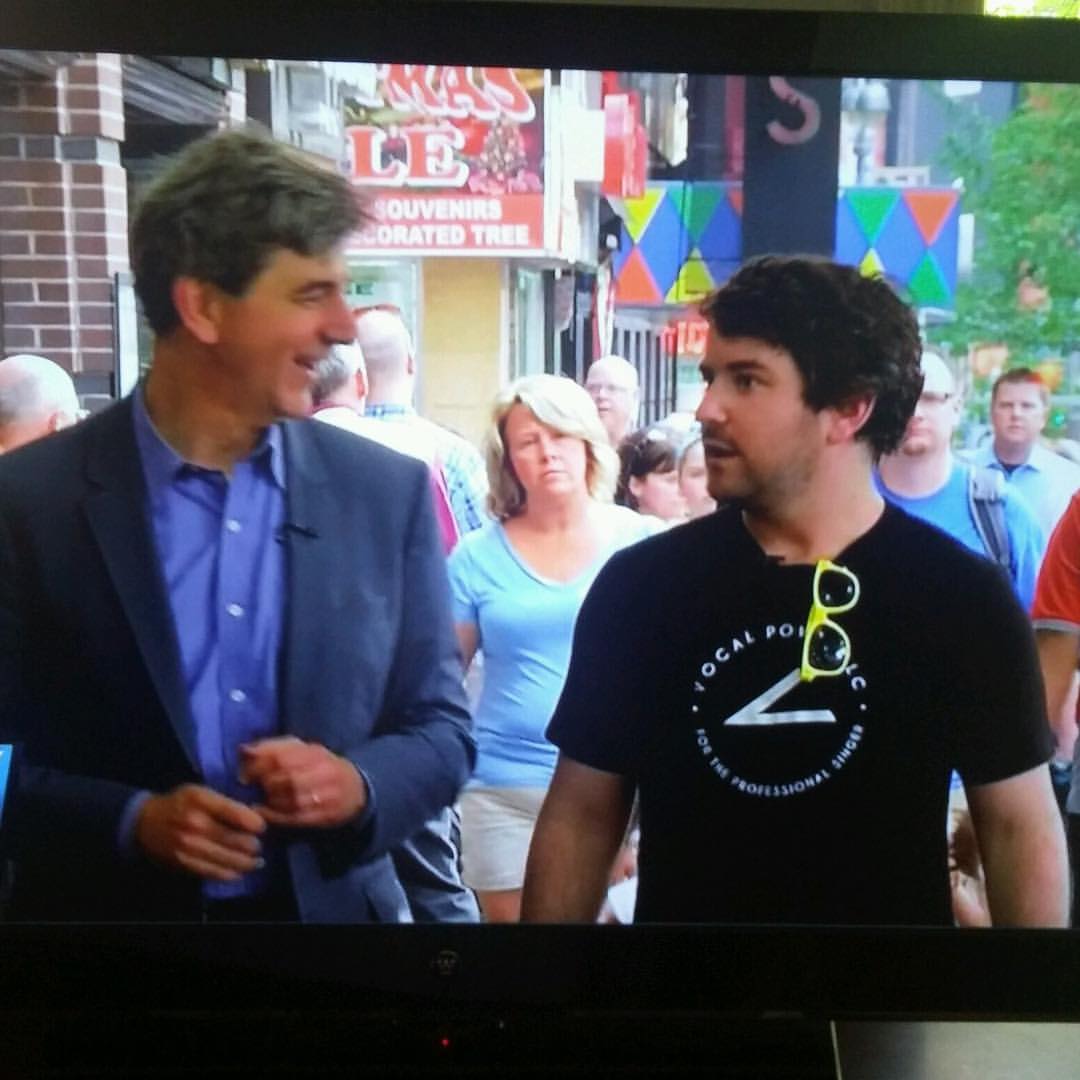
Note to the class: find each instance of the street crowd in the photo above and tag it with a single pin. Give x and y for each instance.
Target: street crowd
(275, 647)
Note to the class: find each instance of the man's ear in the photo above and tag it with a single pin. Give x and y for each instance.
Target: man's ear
(59, 420)
(849, 418)
(635, 485)
(360, 382)
(199, 304)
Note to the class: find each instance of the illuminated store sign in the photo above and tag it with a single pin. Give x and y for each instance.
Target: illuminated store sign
(451, 159)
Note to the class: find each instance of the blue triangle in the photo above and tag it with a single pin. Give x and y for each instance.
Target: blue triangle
(665, 244)
(900, 244)
(721, 239)
(851, 243)
(945, 250)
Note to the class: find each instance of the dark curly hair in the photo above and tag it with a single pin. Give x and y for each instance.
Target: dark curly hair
(849, 335)
(220, 210)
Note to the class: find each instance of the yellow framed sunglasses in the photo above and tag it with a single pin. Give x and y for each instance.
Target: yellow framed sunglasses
(826, 645)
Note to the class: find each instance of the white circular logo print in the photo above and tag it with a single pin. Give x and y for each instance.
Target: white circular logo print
(763, 731)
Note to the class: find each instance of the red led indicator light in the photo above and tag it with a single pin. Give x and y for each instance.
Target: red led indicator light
(444, 1042)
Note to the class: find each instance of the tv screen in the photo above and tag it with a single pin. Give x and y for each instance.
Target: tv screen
(544, 185)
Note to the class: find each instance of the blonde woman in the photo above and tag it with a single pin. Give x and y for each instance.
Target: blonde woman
(518, 584)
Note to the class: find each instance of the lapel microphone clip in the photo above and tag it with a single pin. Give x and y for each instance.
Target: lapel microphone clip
(292, 528)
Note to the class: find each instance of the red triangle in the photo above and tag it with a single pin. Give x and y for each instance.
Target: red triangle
(635, 284)
(735, 198)
(930, 209)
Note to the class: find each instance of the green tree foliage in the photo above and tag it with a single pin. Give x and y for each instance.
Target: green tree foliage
(1022, 182)
(1061, 9)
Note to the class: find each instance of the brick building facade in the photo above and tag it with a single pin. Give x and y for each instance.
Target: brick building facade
(77, 133)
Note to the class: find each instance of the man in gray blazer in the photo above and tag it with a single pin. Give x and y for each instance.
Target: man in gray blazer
(226, 658)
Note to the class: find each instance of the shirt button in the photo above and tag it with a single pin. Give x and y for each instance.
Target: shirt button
(233, 525)
(238, 696)
(235, 610)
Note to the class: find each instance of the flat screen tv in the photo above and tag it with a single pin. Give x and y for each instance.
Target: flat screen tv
(908, 103)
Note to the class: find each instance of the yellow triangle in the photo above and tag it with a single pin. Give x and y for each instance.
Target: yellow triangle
(694, 280)
(871, 264)
(639, 212)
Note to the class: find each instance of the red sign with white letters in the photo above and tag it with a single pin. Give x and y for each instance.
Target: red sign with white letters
(450, 160)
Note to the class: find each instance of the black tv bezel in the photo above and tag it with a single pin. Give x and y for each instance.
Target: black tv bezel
(827, 972)
(562, 33)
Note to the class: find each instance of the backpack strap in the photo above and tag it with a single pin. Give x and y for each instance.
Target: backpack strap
(986, 502)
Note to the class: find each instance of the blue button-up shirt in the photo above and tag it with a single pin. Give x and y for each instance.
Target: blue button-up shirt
(224, 570)
(1046, 480)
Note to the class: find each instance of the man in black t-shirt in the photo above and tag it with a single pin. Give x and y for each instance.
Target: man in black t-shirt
(789, 682)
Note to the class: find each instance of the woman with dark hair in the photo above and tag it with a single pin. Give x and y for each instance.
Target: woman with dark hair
(648, 474)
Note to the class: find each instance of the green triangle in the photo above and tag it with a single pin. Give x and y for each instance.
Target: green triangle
(640, 211)
(697, 206)
(694, 281)
(872, 207)
(927, 286)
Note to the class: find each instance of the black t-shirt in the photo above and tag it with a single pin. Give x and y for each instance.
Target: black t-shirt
(765, 799)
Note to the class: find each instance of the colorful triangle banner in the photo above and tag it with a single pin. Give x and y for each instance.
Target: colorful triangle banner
(698, 204)
(872, 207)
(927, 284)
(694, 280)
(636, 284)
(930, 209)
(640, 211)
(871, 264)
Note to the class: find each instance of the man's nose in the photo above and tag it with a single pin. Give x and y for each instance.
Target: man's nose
(340, 327)
(710, 408)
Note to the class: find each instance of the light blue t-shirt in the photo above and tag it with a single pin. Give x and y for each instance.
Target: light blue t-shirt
(948, 509)
(525, 625)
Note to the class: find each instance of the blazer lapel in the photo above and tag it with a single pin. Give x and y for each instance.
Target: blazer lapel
(310, 538)
(115, 506)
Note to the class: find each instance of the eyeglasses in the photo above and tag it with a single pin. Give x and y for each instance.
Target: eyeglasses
(826, 645)
(607, 388)
(933, 399)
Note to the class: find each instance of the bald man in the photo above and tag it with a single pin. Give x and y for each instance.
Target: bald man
(612, 383)
(37, 397)
(924, 478)
(387, 348)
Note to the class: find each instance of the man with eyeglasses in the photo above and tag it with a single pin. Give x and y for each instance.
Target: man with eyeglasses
(789, 682)
(923, 477)
(612, 383)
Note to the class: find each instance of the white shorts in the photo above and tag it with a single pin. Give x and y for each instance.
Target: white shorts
(496, 829)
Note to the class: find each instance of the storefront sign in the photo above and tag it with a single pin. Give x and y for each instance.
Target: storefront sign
(453, 224)
(451, 159)
(626, 147)
(686, 338)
